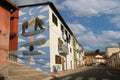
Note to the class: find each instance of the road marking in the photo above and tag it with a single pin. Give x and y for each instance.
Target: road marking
(91, 78)
(105, 79)
(67, 78)
(79, 78)
(108, 73)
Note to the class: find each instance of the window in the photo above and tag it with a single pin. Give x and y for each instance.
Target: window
(70, 50)
(62, 28)
(66, 32)
(57, 59)
(54, 19)
(11, 21)
(69, 37)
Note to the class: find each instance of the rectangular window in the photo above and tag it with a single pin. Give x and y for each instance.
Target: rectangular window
(70, 49)
(54, 19)
(66, 32)
(62, 28)
(57, 59)
(11, 21)
(69, 37)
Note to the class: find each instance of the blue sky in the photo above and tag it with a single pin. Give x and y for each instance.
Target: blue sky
(95, 23)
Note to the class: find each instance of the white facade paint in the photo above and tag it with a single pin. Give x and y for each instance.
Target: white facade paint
(55, 33)
(113, 57)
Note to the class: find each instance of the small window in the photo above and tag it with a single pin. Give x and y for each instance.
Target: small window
(57, 59)
(70, 50)
(62, 28)
(66, 32)
(54, 19)
(69, 37)
(11, 21)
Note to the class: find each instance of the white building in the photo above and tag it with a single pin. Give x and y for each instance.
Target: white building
(111, 50)
(113, 57)
(50, 44)
(114, 60)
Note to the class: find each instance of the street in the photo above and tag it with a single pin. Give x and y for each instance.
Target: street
(94, 73)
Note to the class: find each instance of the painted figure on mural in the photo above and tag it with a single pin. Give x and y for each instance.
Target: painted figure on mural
(36, 22)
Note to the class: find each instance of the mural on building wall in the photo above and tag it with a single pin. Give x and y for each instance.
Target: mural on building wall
(33, 38)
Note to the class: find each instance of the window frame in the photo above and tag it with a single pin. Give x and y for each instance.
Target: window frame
(54, 19)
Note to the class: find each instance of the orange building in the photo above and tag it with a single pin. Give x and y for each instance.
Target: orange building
(88, 59)
(6, 10)
(13, 31)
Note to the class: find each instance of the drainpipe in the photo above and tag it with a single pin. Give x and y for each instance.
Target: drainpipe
(66, 61)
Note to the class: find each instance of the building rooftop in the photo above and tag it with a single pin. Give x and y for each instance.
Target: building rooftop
(9, 5)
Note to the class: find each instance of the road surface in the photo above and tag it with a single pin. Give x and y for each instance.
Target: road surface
(94, 73)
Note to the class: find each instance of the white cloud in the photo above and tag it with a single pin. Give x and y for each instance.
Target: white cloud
(20, 40)
(77, 28)
(105, 39)
(44, 9)
(39, 7)
(41, 16)
(22, 48)
(47, 65)
(116, 20)
(20, 60)
(20, 55)
(40, 36)
(47, 20)
(41, 60)
(21, 13)
(91, 40)
(87, 7)
(31, 60)
(38, 69)
(41, 52)
(24, 18)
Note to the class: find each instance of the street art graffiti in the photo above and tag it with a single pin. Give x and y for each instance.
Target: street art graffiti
(36, 22)
(57, 67)
(34, 37)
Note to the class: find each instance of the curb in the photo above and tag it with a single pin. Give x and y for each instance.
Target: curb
(48, 78)
(62, 74)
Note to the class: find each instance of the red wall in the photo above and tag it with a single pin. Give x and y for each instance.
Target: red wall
(14, 28)
(4, 35)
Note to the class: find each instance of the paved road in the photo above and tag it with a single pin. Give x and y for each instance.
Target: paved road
(94, 73)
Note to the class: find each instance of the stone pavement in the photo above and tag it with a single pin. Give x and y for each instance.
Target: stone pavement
(19, 71)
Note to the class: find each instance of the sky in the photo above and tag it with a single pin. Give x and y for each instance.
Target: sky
(95, 23)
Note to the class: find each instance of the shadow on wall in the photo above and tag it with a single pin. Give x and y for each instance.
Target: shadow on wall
(2, 78)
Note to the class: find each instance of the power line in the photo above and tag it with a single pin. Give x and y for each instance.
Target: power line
(102, 11)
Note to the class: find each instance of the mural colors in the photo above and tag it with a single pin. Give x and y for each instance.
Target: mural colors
(33, 41)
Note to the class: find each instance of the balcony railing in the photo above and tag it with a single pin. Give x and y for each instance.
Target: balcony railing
(63, 49)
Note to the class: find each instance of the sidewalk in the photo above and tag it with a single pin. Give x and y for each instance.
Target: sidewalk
(69, 72)
(19, 71)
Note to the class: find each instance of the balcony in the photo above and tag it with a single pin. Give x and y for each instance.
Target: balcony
(63, 49)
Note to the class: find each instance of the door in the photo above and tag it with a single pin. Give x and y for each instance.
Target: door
(62, 61)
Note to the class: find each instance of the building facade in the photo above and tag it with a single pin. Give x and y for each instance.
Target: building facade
(6, 10)
(114, 57)
(45, 41)
(114, 60)
(13, 39)
(111, 50)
